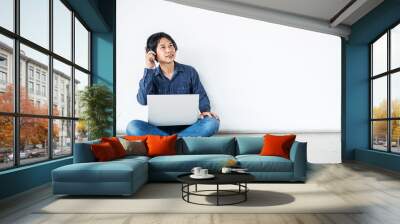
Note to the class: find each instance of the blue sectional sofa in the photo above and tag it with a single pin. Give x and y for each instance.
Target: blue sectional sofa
(125, 176)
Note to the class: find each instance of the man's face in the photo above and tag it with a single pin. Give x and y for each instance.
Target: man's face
(165, 51)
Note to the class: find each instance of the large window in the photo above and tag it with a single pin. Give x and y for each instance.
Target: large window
(385, 91)
(40, 80)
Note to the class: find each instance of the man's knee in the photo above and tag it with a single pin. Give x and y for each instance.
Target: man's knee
(211, 125)
(135, 127)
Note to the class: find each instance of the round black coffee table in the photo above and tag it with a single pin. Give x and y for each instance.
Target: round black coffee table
(238, 179)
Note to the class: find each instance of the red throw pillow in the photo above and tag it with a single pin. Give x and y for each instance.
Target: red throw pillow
(116, 145)
(161, 145)
(135, 138)
(275, 145)
(103, 151)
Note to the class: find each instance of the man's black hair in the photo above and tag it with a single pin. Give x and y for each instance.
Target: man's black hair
(154, 39)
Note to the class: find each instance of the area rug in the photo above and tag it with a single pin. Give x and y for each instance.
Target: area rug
(167, 198)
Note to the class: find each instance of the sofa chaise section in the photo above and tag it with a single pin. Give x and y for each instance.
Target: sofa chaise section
(87, 177)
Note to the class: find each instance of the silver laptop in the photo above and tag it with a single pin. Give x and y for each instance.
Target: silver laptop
(170, 110)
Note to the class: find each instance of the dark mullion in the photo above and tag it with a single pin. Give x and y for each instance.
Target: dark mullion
(89, 54)
(371, 103)
(73, 82)
(50, 87)
(385, 119)
(115, 77)
(82, 69)
(387, 73)
(8, 113)
(8, 33)
(389, 101)
(44, 116)
(36, 116)
(16, 83)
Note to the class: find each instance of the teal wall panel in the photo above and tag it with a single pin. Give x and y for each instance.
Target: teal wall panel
(376, 158)
(357, 99)
(103, 65)
(24, 178)
(356, 125)
(103, 59)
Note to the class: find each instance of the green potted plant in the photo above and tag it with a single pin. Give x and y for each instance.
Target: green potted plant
(96, 103)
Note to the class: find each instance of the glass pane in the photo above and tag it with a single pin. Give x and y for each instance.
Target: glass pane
(379, 135)
(395, 47)
(81, 81)
(7, 14)
(81, 131)
(395, 94)
(62, 89)
(34, 97)
(35, 21)
(379, 55)
(62, 29)
(6, 74)
(33, 139)
(81, 45)
(395, 136)
(62, 138)
(379, 97)
(6, 142)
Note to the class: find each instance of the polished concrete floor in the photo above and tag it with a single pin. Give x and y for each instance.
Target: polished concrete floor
(378, 189)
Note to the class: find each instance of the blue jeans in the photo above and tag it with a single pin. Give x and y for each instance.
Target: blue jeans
(205, 127)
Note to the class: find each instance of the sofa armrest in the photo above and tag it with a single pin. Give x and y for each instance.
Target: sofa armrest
(83, 152)
(298, 155)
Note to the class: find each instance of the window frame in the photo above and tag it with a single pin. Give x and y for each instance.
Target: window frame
(388, 74)
(15, 72)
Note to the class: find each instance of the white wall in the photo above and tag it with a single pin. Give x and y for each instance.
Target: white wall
(260, 77)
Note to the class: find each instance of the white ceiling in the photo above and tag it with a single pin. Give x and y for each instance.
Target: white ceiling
(315, 15)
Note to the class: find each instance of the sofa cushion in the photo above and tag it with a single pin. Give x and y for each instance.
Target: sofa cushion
(257, 163)
(207, 145)
(161, 145)
(249, 145)
(111, 171)
(135, 147)
(103, 152)
(185, 163)
(116, 145)
(277, 145)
